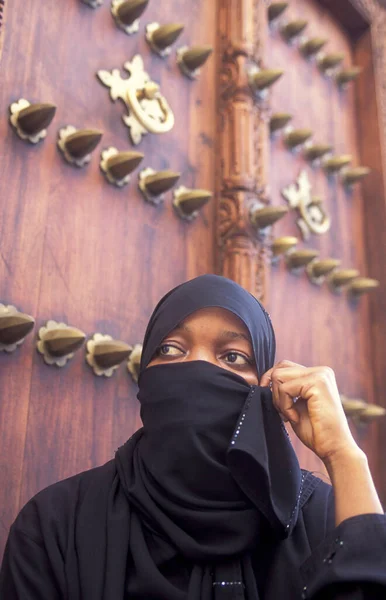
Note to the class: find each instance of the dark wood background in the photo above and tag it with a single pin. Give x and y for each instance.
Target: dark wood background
(74, 248)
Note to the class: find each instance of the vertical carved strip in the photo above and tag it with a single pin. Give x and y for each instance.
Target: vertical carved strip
(241, 140)
(2, 25)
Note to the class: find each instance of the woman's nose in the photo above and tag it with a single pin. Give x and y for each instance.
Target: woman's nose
(202, 354)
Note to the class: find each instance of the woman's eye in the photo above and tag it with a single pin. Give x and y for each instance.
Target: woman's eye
(169, 350)
(235, 358)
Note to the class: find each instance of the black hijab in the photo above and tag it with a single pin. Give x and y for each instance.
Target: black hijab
(212, 469)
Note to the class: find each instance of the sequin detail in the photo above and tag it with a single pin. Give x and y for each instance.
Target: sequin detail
(228, 583)
(240, 423)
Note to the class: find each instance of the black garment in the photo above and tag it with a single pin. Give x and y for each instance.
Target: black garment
(206, 502)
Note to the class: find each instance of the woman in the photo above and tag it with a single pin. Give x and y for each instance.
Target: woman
(207, 500)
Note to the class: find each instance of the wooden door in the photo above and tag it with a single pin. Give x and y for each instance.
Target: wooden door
(76, 249)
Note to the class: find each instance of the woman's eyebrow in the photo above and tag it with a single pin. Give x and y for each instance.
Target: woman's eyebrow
(235, 335)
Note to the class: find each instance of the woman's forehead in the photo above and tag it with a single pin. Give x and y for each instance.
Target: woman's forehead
(216, 318)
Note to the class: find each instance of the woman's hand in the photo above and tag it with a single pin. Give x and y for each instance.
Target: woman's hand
(309, 399)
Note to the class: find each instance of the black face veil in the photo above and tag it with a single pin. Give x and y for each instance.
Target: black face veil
(212, 468)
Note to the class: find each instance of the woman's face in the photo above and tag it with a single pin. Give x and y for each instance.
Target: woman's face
(212, 334)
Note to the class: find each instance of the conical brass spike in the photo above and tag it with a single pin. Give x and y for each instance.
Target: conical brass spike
(194, 57)
(35, 117)
(329, 61)
(61, 342)
(316, 151)
(275, 9)
(312, 46)
(279, 121)
(188, 202)
(351, 176)
(14, 326)
(263, 79)
(123, 163)
(110, 353)
(342, 277)
(297, 137)
(320, 268)
(264, 217)
(82, 142)
(372, 412)
(293, 28)
(353, 406)
(301, 258)
(165, 35)
(335, 163)
(161, 182)
(347, 75)
(362, 285)
(282, 244)
(130, 10)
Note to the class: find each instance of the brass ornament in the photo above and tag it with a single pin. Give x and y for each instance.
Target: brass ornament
(58, 342)
(117, 166)
(30, 121)
(328, 62)
(134, 362)
(104, 354)
(126, 14)
(279, 121)
(154, 184)
(161, 37)
(371, 412)
(187, 202)
(312, 46)
(317, 270)
(336, 163)
(362, 285)
(148, 110)
(76, 145)
(313, 152)
(275, 10)
(293, 28)
(342, 277)
(354, 175)
(296, 137)
(347, 75)
(14, 327)
(260, 80)
(262, 216)
(313, 216)
(281, 245)
(191, 59)
(353, 406)
(297, 259)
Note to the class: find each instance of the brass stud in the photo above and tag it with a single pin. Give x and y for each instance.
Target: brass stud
(362, 285)
(14, 327)
(134, 362)
(154, 184)
(335, 163)
(312, 46)
(279, 121)
(77, 145)
(263, 217)
(191, 59)
(351, 176)
(275, 9)
(293, 29)
(104, 354)
(127, 13)
(314, 151)
(371, 413)
(261, 80)
(342, 277)
(296, 259)
(161, 37)
(317, 270)
(30, 121)
(187, 202)
(296, 137)
(281, 245)
(117, 166)
(353, 406)
(347, 75)
(330, 61)
(58, 342)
